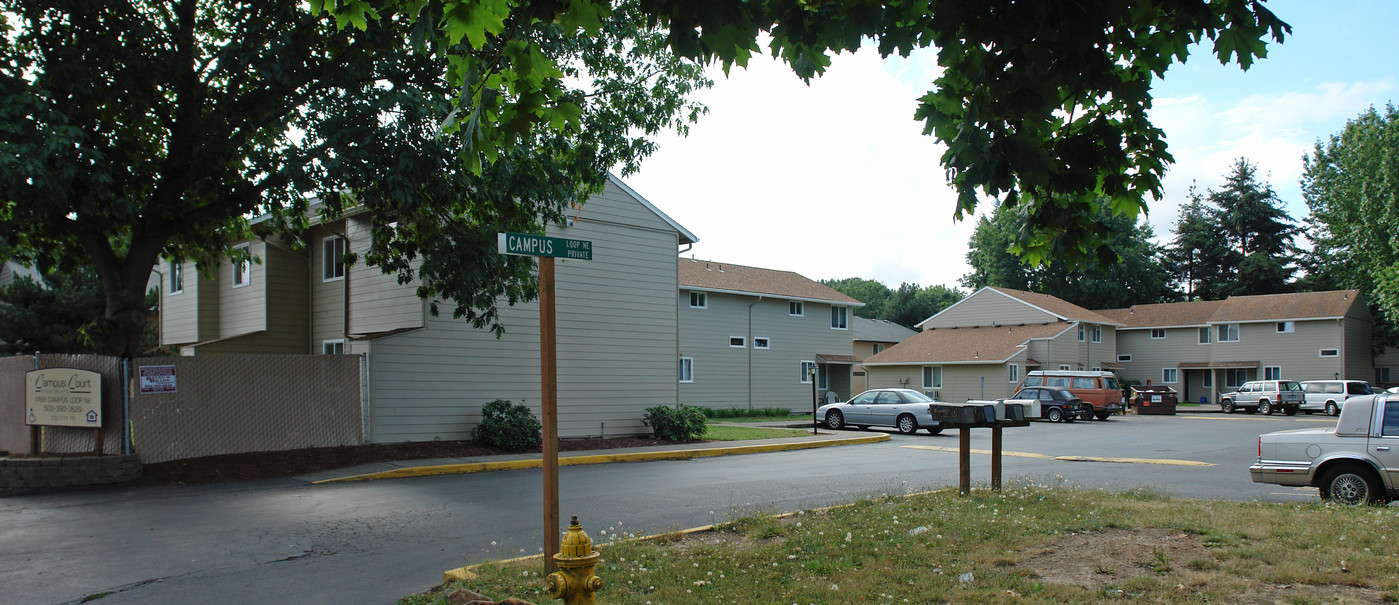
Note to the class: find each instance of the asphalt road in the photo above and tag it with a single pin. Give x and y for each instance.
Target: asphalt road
(372, 542)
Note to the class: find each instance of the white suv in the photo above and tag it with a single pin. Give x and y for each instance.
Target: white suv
(1329, 395)
(1264, 396)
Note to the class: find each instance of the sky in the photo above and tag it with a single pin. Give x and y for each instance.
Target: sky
(836, 179)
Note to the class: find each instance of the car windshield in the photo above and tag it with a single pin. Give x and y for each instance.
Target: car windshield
(1109, 383)
(915, 397)
(1358, 388)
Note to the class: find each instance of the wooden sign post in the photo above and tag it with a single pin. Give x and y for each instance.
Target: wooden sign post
(546, 249)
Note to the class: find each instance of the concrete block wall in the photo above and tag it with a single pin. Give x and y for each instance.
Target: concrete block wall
(25, 475)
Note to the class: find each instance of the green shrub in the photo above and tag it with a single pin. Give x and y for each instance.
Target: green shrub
(508, 426)
(744, 412)
(680, 423)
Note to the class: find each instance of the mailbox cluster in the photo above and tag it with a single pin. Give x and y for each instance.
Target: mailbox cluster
(979, 414)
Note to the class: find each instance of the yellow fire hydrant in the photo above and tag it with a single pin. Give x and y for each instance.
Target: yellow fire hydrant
(574, 582)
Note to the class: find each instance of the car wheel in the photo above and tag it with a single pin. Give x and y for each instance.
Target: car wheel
(835, 420)
(1265, 407)
(1289, 410)
(1087, 413)
(907, 425)
(1054, 415)
(1332, 409)
(1103, 416)
(933, 430)
(862, 426)
(1226, 406)
(1351, 484)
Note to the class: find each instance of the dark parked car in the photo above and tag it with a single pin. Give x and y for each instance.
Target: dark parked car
(1054, 405)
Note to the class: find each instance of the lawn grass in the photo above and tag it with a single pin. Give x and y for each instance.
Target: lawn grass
(717, 432)
(1030, 543)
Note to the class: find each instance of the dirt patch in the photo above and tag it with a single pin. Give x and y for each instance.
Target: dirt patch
(271, 465)
(1096, 560)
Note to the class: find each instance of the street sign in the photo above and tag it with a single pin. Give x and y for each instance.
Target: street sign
(524, 244)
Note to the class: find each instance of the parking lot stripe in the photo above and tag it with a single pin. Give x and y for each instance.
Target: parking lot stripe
(1163, 461)
(1253, 417)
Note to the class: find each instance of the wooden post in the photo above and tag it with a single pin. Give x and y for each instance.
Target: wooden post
(36, 438)
(549, 386)
(996, 456)
(97, 441)
(964, 460)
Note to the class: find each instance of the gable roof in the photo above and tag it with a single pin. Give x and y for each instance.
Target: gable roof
(712, 276)
(1332, 304)
(984, 344)
(1057, 307)
(1164, 315)
(685, 236)
(878, 330)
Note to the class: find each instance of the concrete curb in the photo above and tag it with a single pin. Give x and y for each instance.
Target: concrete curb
(685, 454)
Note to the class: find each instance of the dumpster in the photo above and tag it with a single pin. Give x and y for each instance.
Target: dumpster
(1154, 399)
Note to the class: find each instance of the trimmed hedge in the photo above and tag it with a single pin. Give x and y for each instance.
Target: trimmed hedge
(508, 426)
(680, 423)
(744, 412)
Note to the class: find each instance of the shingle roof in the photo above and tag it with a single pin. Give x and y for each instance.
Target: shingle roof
(878, 330)
(1267, 307)
(967, 345)
(1195, 313)
(726, 277)
(1055, 305)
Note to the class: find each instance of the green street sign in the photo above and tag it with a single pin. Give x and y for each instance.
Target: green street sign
(524, 244)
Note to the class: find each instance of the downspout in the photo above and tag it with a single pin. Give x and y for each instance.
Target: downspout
(677, 313)
(749, 345)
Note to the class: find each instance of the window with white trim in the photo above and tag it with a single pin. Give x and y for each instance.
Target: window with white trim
(821, 377)
(1286, 327)
(699, 300)
(839, 317)
(1096, 368)
(1169, 375)
(1097, 334)
(243, 269)
(1228, 332)
(177, 277)
(807, 367)
(332, 258)
(1064, 367)
(737, 342)
(877, 347)
(1272, 373)
(1013, 372)
(932, 377)
(1328, 353)
(761, 343)
(1126, 358)
(333, 347)
(1204, 336)
(687, 369)
(1080, 333)
(795, 308)
(1158, 333)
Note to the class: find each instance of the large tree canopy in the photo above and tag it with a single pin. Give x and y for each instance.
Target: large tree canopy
(1133, 275)
(135, 129)
(1351, 185)
(1042, 105)
(906, 306)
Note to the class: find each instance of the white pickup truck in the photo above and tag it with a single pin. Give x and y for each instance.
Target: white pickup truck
(1357, 461)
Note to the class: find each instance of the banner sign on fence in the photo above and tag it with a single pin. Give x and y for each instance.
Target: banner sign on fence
(157, 379)
(63, 397)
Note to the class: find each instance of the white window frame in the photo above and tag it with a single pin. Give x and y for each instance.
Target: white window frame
(1155, 331)
(1097, 334)
(177, 278)
(1064, 367)
(843, 315)
(738, 342)
(1227, 330)
(1286, 327)
(1272, 372)
(1170, 375)
(687, 369)
(1096, 368)
(699, 300)
(1081, 333)
(1124, 358)
(806, 366)
(878, 348)
(330, 246)
(1014, 372)
(935, 374)
(1205, 332)
(762, 343)
(796, 308)
(328, 346)
(1328, 352)
(243, 269)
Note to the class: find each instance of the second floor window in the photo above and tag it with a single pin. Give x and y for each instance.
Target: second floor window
(1228, 332)
(1097, 334)
(1204, 336)
(795, 308)
(839, 316)
(332, 258)
(243, 268)
(1158, 333)
(698, 300)
(177, 278)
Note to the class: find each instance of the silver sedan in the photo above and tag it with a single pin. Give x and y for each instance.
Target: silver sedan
(903, 409)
